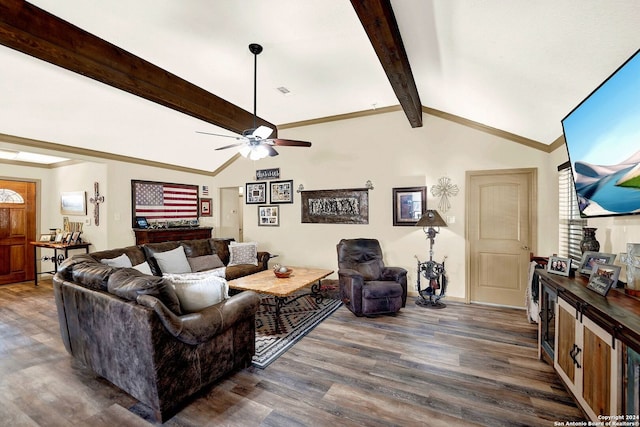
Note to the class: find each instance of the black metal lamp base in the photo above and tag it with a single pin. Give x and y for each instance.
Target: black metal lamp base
(429, 304)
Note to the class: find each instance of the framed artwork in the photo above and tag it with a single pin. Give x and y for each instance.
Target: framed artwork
(45, 237)
(205, 207)
(558, 265)
(350, 206)
(281, 191)
(73, 203)
(589, 259)
(269, 215)
(157, 201)
(409, 203)
(255, 192)
(603, 277)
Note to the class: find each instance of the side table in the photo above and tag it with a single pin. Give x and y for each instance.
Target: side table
(60, 253)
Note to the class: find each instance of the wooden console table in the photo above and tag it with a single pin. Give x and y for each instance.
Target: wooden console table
(593, 343)
(60, 253)
(159, 235)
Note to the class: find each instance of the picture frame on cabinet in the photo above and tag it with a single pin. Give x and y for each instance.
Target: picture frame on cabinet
(589, 259)
(603, 277)
(559, 265)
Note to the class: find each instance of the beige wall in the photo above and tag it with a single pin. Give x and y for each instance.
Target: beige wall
(382, 148)
(386, 150)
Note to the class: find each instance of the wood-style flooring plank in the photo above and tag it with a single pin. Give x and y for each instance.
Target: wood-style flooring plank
(464, 365)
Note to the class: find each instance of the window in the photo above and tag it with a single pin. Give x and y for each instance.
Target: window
(570, 222)
(10, 196)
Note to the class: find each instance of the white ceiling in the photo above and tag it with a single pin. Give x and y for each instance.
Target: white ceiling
(515, 65)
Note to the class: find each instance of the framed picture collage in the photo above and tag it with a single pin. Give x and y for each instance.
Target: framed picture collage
(279, 192)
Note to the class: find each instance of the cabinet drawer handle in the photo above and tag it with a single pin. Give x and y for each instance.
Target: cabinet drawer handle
(574, 353)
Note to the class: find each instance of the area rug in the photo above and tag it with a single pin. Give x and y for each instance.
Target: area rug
(296, 320)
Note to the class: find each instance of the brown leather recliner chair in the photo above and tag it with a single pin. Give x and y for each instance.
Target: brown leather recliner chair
(367, 287)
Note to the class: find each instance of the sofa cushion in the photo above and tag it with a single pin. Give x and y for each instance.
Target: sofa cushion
(196, 247)
(173, 261)
(243, 253)
(197, 291)
(92, 275)
(135, 254)
(205, 262)
(122, 261)
(150, 250)
(128, 283)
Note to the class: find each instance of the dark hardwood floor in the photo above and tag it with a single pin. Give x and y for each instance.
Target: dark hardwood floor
(464, 365)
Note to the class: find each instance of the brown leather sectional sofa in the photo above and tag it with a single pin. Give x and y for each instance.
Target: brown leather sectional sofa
(128, 326)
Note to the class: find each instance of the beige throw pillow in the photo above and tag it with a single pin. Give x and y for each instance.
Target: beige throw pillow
(197, 291)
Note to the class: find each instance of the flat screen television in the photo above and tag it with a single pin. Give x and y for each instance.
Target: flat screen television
(602, 136)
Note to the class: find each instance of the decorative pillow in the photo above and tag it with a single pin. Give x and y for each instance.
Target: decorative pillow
(143, 268)
(205, 262)
(122, 261)
(197, 291)
(243, 253)
(173, 261)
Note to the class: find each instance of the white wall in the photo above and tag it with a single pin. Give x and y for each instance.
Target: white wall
(386, 150)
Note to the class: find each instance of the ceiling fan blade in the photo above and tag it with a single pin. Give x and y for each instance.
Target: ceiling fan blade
(262, 132)
(290, 143)
(230, 146)
(218, 134)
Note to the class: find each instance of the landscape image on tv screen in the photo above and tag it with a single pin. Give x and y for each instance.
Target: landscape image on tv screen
(603, 141)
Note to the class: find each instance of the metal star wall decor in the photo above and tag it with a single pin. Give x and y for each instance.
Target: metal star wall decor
(444, 189)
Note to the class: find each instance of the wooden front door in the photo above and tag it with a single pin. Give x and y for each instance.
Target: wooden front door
(500, 228)
(17, 229)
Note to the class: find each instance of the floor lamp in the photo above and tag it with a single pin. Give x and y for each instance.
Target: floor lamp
(432, 271)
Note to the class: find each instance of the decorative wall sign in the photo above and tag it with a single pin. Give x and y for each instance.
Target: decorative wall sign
(350, 206)
(409, 204)
(73, 203)
(444, 189)
(281, 191)
(255, 192)
(262, 174)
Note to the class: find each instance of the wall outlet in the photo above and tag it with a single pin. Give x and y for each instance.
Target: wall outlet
(87, 221)
(451, 219)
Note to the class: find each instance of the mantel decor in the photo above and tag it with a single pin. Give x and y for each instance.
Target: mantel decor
(348, 206)
(409, 203)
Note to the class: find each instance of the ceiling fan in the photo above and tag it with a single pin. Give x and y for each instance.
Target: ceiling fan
(256, 143)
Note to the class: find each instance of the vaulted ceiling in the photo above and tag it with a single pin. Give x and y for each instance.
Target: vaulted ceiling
(517, 66)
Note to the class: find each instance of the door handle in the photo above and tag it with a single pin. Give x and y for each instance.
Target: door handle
(524, 247)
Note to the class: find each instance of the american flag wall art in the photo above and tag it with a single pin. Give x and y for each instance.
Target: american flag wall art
(163, 202)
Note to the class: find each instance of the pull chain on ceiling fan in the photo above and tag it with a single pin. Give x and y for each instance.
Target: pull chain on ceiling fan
(256, 143)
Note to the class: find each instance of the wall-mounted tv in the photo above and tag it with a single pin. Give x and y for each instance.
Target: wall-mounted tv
(602, 135)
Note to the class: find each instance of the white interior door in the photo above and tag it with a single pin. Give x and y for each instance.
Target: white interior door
(230, 213)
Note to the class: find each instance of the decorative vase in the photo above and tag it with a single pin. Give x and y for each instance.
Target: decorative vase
(589, 242)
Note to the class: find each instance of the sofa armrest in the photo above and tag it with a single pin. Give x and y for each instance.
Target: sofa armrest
(397, 274)
(196, 328)
(351, 283)
(263, 259)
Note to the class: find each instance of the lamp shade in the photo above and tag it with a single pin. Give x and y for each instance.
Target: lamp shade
(431, 218)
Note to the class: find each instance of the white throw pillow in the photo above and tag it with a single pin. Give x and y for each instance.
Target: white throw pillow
(197, 291)
(121, 261)
(243, 253)
(143, 268)
(173, 261)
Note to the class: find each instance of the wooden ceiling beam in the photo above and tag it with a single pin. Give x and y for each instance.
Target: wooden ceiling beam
(33, 31)
(381, 27)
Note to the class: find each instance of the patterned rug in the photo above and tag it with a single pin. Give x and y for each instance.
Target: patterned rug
(296, 320)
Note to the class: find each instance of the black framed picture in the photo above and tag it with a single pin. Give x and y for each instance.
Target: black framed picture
(409, 204)
(281, 191)
(269, 216)
(255, 192)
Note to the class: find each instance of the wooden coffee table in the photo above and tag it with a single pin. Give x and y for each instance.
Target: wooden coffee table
(266, 282)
